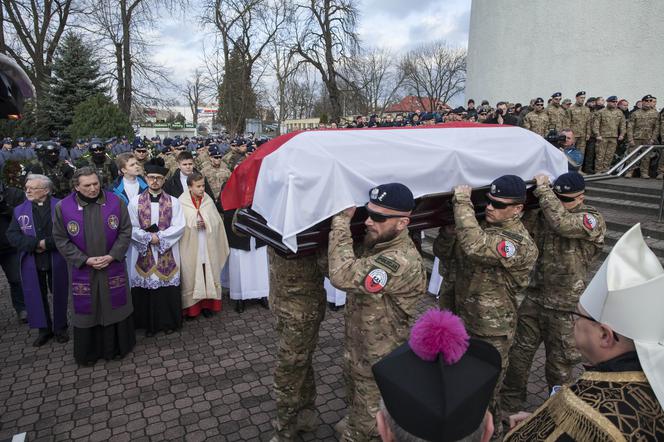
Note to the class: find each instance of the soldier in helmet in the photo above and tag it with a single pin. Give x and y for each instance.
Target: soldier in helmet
(49, 163)
(98, 158)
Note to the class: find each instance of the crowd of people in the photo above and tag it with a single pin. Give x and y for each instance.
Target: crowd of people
(104, 226)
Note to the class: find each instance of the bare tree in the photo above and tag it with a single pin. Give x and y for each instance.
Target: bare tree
(326, 39)
(375, 78)
(35, 28)
(434, 71)
(196, 90)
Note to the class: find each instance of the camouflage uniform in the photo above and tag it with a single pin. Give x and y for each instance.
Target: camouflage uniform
(493, 265)
(568, 241)
(216, 176)
(382, 286)
(660, 168)
(202, 160)
(608, 124)
(107, 172)
(642, 128)
(232, 159)
(537, 121)
(557, 117)
(171, 164)
(578, 117)
(60, 175)
(297, 297)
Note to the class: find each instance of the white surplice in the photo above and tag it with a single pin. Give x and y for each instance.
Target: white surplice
(248, 272)
(334, 295)
(140, 241)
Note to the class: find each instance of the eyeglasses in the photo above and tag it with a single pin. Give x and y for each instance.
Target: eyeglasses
(380, 217)
(217, 157)
(141, 151)
(591, 319)
(499, 204)
(155, 178)
(565, 198)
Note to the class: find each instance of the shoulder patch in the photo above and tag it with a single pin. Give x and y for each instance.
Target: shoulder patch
(589, 221)
(506, 248)
(388, 262)
(512, 235)
(375, 280)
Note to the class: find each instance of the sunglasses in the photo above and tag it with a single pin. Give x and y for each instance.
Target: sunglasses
(499, 204)
(141, 151)
(217, 157)
(566, 199)
(591, 319)
(381, 218)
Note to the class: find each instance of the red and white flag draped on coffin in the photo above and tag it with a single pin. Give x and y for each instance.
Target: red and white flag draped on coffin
(297, 180)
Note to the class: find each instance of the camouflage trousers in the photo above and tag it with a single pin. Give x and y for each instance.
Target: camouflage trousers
(502, 344)
(580, 142)
(645, 161)
(363, 399)
(604, 152)
(537, 324)
(297, 297)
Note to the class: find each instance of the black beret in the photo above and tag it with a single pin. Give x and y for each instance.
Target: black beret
(539, 101)
(570, 182)
(435, 401)
(508, 186)
(612, 98)
(578, 94)
(155, 165)
(213, 150)
(647, 97)
(393, 196)
(556, 95)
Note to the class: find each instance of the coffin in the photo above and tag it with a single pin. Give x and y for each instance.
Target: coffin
(289, 188)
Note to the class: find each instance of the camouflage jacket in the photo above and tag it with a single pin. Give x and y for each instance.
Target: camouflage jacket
(202, 160)
(579, 120)
(493, 265)
(557, 117)
(216, 176)
(60, 175)
(643, 125)
(609, 123)
(232, 159)
(107, 171)
(537, 122)
(383, 286)
(568, 242)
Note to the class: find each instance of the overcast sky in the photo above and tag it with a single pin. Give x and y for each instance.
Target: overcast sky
(395, 24)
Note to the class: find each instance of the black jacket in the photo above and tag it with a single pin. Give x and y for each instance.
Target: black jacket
(10, 197)
(43, 230)
(173, 186)
(507, 119)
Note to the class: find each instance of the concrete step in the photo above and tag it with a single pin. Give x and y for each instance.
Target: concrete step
(642, 208)
(637, 185)
(621, 195)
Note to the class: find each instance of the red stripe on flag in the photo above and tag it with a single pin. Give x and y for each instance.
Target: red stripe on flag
(239, 190)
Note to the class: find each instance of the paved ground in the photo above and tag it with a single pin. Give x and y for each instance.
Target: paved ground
(211, 381)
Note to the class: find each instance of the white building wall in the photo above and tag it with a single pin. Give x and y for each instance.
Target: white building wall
(521, 49)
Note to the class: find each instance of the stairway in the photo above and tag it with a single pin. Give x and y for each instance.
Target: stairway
(623, 202)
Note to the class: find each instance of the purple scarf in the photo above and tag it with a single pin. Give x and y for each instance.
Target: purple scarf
(31, 291)
(72, 216)
(165, 267)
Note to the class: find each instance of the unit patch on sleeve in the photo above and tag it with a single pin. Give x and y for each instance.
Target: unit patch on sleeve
(391, 264)
(589, 221)
(375, 281)
(506, 249)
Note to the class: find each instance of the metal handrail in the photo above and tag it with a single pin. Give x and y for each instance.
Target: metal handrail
(620, 167)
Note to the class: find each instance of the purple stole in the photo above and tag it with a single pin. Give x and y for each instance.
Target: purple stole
(31, 291)
(72, 217)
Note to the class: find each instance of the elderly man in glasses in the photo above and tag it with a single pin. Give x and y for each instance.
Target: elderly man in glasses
(570, 236)
(492, 263)
(383, 284)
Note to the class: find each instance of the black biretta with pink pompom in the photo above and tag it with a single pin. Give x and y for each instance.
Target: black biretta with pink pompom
(438, 385)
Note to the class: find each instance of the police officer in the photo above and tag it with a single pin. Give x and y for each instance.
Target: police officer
(50, 164)
(608, 128)
(215, 171)
(537, 120)
(101, 161)
(141, 154)
(643, 128)
(78, 150)
(493, 262)
(569, 235)
(382, 284)
(556, 113)
(122, 147)
(297, 298)
(6, 153)
(578, 116)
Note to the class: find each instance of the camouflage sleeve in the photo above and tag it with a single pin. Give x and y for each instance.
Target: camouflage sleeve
(581, 225)
(623, 126)
(368, 275)
(443, 245)
(596, 124)
(478, 245)
(526, 123)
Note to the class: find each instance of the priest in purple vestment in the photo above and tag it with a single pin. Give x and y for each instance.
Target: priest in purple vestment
(92, 231)
(41, 266)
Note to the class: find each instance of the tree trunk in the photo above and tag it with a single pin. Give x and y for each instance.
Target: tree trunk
(125, 106)
(120, 74)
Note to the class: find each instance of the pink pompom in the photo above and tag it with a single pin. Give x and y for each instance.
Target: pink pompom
(439, 331)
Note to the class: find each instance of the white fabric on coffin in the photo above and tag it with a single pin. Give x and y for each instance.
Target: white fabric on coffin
(316, 174)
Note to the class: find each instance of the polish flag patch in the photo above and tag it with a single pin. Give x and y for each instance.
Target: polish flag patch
(375, 281)
(506, 249)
